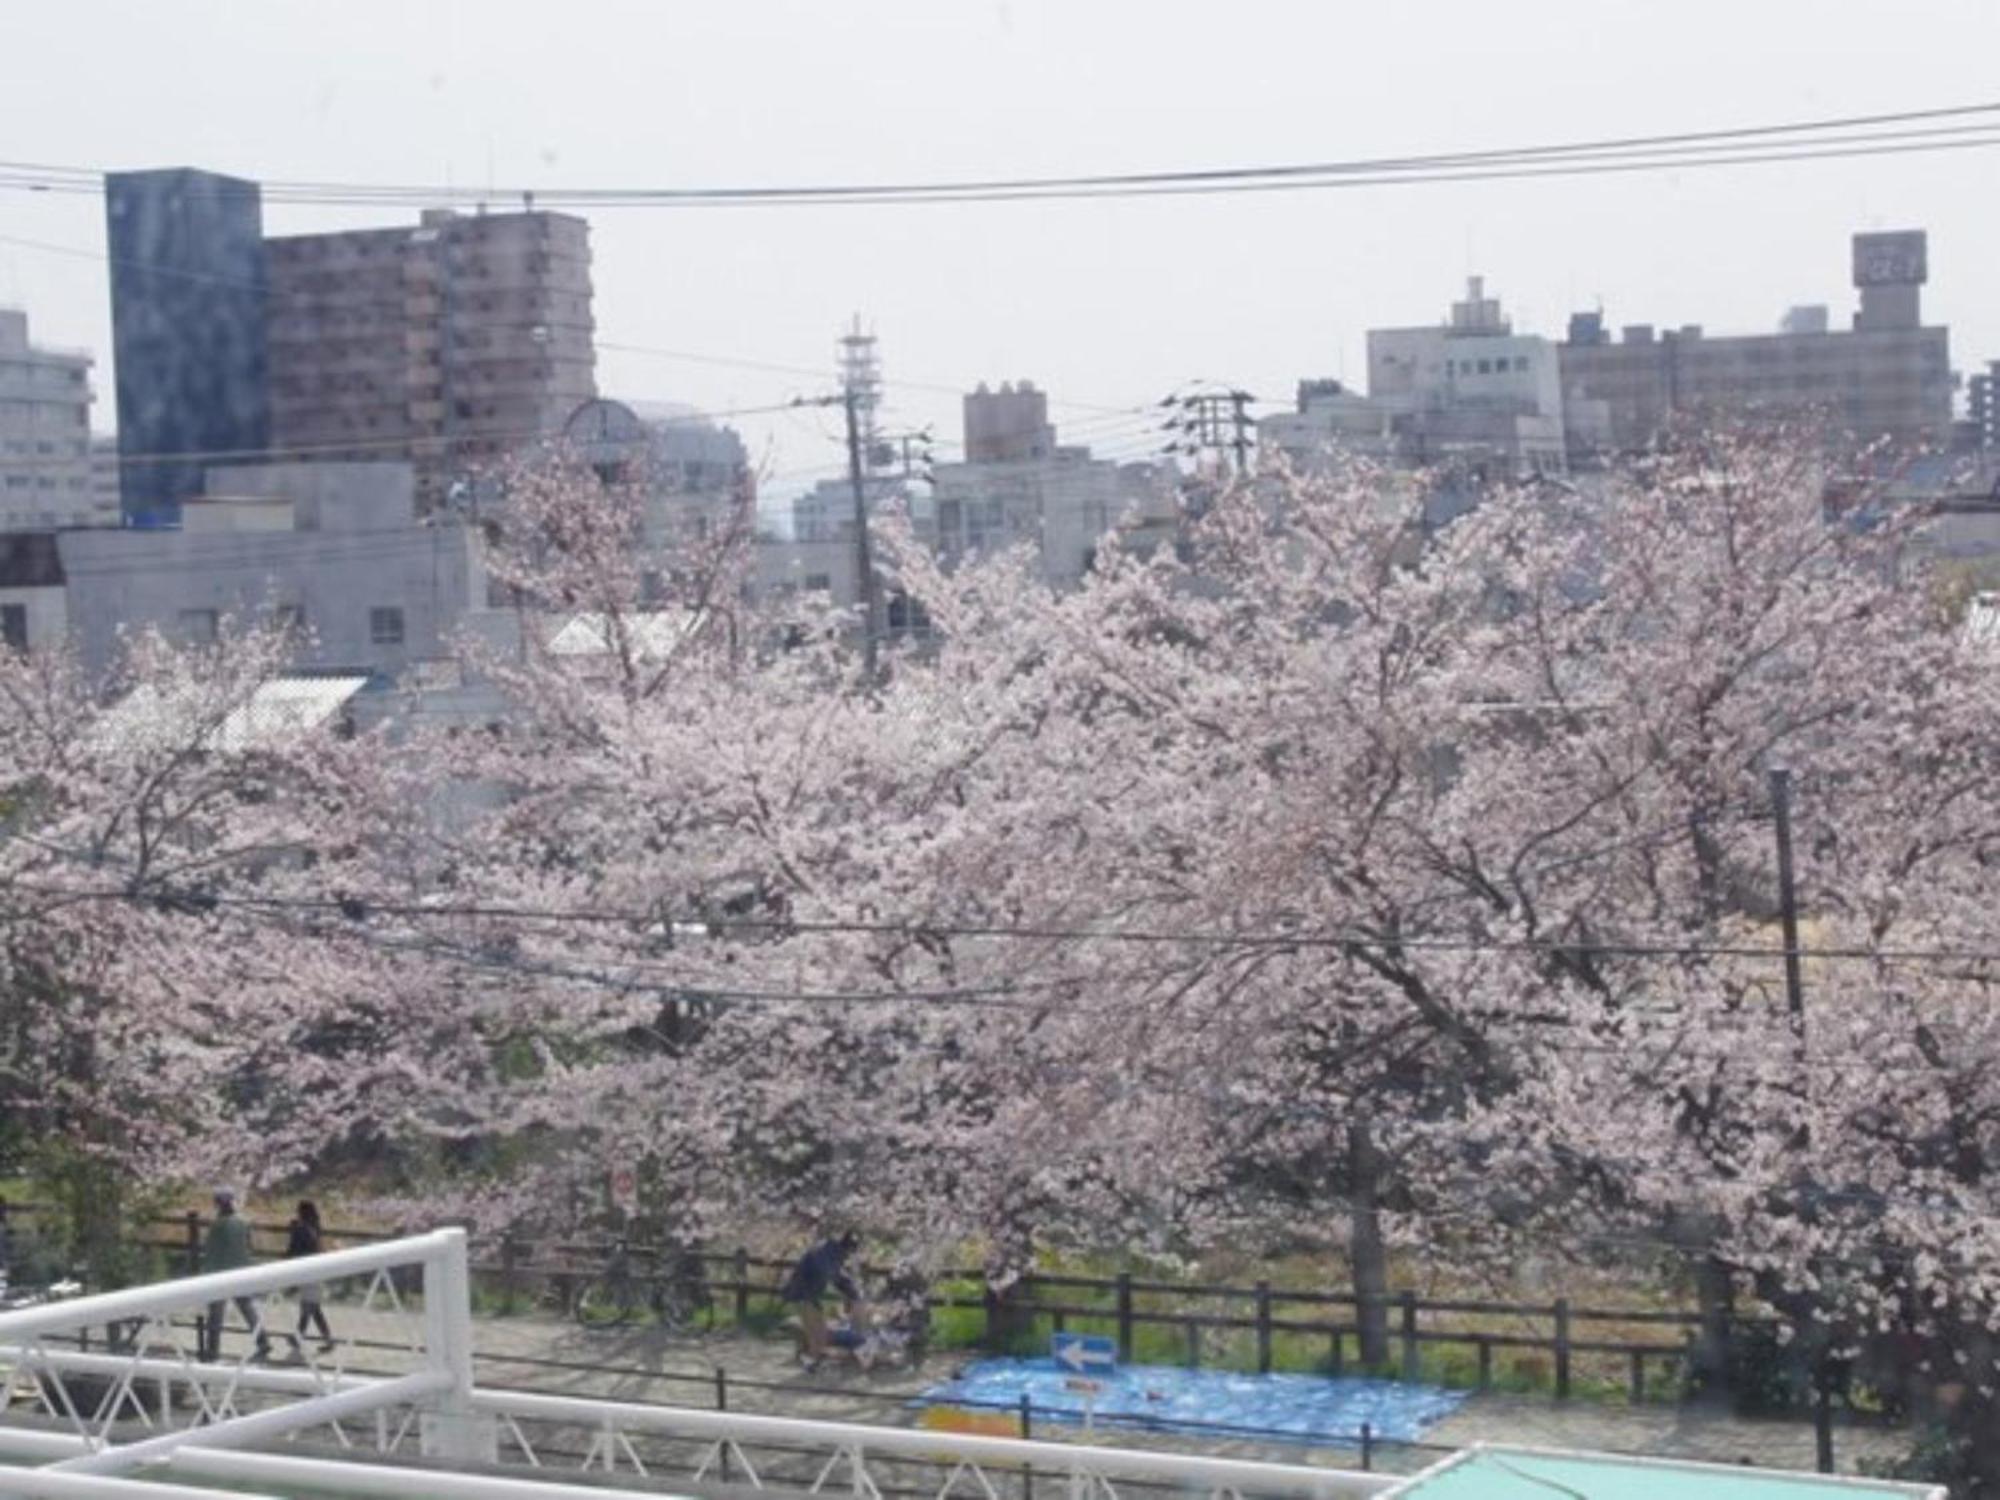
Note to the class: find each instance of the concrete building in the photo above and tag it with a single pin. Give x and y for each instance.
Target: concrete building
(1886, 377)
(699, 470)
(34, 604)
(1982, 407)
(825, 513)
(187, 327)
(1019, 486)
(444, 345)
(104, 472)
(1469, 394)
(45, 478)
(335, 549)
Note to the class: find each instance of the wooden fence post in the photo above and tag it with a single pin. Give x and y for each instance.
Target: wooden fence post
(1367, 1446)
(1125, 1317)
(193, 1243)
(1485, 1363)
(1638, 1376)
(742, 1286)
(1562, 1348)
(1412, 1367)
(510, 1269)
(1193, 1344)
(1263, 1328)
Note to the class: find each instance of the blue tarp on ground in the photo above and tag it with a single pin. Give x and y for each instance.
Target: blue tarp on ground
(1301, 1407)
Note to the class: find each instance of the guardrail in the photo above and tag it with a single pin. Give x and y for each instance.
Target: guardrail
(148, 1328)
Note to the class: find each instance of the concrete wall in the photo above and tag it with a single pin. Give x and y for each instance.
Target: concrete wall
(47, 613)
(140, 578)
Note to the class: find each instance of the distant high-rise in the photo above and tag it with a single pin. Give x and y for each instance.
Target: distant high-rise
(187, 329)
(44, 432)
(445, 343)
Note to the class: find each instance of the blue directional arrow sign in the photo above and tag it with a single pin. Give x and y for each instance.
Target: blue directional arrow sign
(1084, 1353)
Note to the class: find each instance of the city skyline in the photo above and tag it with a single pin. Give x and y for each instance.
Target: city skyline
(1107, 305)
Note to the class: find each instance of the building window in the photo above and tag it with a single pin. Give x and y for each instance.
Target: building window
(14, 626)
(385, 626)
(1521, 362)
(819, 583)
(197, 627)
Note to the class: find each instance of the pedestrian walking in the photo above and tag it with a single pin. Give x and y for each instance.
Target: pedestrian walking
(305, 1237)
(228, 1249)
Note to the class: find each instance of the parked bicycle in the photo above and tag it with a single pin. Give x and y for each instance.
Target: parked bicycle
(675, 1292)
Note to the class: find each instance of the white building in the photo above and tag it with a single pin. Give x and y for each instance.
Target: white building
(34, 604)
(1020, 487)
(335, 549)
(45, 473)
(1469, 394)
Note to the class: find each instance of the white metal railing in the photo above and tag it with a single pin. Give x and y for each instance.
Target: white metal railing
(234, 1401)
(211, 1408)
(843, 1454)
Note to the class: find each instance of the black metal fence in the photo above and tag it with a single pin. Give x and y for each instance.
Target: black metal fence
(1555, 1346)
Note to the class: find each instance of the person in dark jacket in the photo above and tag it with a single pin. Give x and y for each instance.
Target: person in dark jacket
(228, 1249)
(305, 1237)
(820, 1270)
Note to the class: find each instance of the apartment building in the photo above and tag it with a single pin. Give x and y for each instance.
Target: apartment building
(45, 466)
(443, 345)
(1887, 376)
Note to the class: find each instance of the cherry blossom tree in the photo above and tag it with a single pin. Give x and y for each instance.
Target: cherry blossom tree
(174, 1005)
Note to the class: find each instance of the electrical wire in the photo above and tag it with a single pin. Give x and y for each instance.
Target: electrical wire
(1310, 939)
(1791, 140)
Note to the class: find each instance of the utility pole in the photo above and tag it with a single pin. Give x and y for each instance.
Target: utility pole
(1239, 402)
(1216, 422)
(864, 560)
(1788, 896)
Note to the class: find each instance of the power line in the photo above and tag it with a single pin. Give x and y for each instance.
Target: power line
(1791, 140)
(1305, 938)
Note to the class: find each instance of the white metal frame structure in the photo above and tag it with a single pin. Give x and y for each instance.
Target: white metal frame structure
(162, 1422)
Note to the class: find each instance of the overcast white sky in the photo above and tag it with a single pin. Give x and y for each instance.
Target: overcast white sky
(1107, 303)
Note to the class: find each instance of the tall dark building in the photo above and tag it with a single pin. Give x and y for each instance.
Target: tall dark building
(187, 329)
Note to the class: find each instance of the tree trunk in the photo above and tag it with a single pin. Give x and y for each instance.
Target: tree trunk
(1368, 1257)
(1715, 1293)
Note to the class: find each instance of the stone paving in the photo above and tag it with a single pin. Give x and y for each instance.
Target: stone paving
(760, 1374)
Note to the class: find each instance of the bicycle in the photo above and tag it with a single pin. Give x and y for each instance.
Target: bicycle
(675, 1295)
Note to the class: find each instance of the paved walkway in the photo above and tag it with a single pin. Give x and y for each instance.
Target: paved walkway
(760, 1375)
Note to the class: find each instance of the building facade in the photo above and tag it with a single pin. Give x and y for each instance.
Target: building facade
(45, 464)
(1020, 487)
(443, 346)
(335, 550)
(1887, 376)
(187, 328)
(34, 604)
(1982, 407)
(1469, 394)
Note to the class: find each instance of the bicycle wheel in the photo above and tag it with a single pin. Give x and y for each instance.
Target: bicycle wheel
(677, 1305)
(609, 1303)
